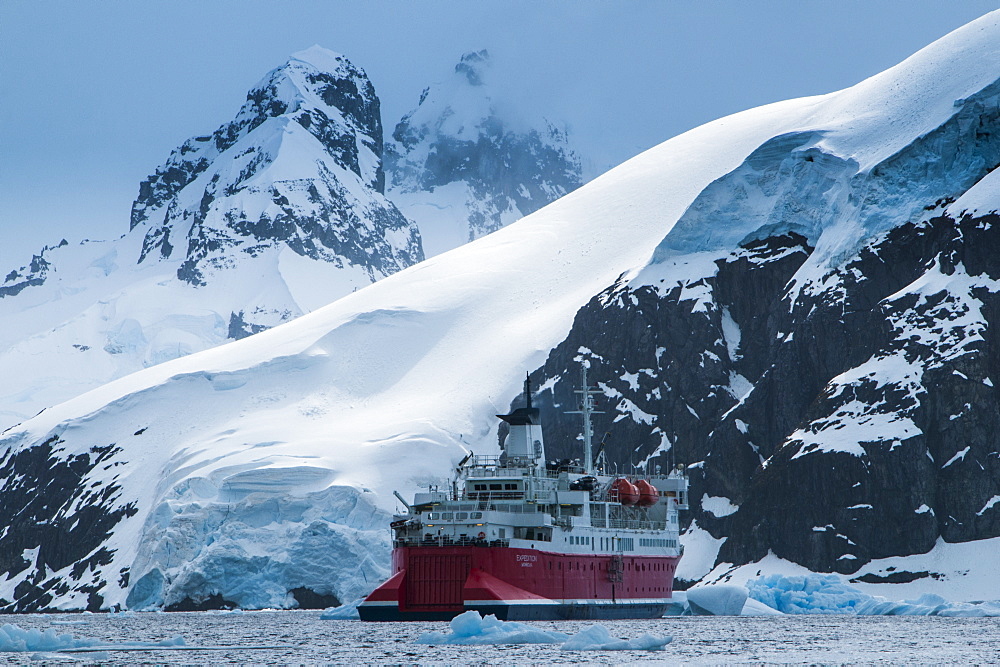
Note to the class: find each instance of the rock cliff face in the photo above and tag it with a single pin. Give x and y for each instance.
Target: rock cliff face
(464, 163)
(55, 528)
(300, 166)
(822, 358)
(31, 274)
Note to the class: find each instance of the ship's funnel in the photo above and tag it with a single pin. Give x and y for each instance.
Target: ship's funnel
(525, 438)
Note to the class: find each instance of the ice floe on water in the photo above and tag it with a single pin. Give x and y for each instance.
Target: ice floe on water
(471, 628)
(597, 638)
(717, 599)
(345, 612)
(828, 594)
(14, 638)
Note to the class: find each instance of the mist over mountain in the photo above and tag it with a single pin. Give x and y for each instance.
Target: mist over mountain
(465, 162)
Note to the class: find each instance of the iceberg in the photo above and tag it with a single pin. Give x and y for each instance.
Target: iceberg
(345, 612)
(471, 628)
(597, 638)
(758, 608)
(828, 594)
(717, 600)
(15, 639)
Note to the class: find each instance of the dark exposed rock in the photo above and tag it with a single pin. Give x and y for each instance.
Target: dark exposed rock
(842, 400)
(211, 603)
(30, 275)
(895, 351)
(310, 599)
(53, 511)
(240, 328)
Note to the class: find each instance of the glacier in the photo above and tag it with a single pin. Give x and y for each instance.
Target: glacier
(233, 465)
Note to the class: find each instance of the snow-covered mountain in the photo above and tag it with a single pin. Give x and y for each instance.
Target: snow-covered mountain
(795, 301)
(276, 213)
(467, 161)
(300, 167)
(272, 215)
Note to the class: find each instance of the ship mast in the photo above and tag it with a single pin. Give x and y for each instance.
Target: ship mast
(587, 409)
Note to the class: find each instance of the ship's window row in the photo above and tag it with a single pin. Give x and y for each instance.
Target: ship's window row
(619, 543)
(453, 516)
(578, 539)
(656, 542)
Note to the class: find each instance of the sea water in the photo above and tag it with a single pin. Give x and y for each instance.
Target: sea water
(301, 637)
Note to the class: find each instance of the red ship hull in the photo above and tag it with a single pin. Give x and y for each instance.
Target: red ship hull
(438, 583)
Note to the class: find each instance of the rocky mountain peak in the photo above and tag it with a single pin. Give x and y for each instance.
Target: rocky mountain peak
(472, 66)
(467, 160)
(300, 166)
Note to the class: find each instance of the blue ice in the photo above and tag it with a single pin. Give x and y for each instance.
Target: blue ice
(471, 628)
(828, 594)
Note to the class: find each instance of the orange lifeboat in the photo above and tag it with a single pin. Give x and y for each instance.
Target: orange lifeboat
(648, 495)
(624, 492)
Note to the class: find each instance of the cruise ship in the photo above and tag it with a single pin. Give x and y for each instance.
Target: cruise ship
(526, 539)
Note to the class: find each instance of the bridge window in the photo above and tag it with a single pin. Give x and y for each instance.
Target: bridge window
(461, 516)
(496, 487)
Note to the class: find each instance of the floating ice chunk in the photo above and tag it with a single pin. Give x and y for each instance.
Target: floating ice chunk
(597, 638)
(14, 638)
(471, 628)
(757, 608)
(345, 612)
(717, 600)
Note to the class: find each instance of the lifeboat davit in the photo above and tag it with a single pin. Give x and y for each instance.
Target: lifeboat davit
(624, 492)
(648, 495)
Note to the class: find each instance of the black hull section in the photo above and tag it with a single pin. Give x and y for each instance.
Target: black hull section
(526, 612)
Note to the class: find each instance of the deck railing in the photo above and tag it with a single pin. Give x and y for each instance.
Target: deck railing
(630, 524)
(447, 541)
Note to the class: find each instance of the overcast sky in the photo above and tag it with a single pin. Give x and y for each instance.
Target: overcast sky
(95, 94)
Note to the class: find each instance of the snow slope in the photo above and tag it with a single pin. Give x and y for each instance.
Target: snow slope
(276, 213)
(267, 464)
